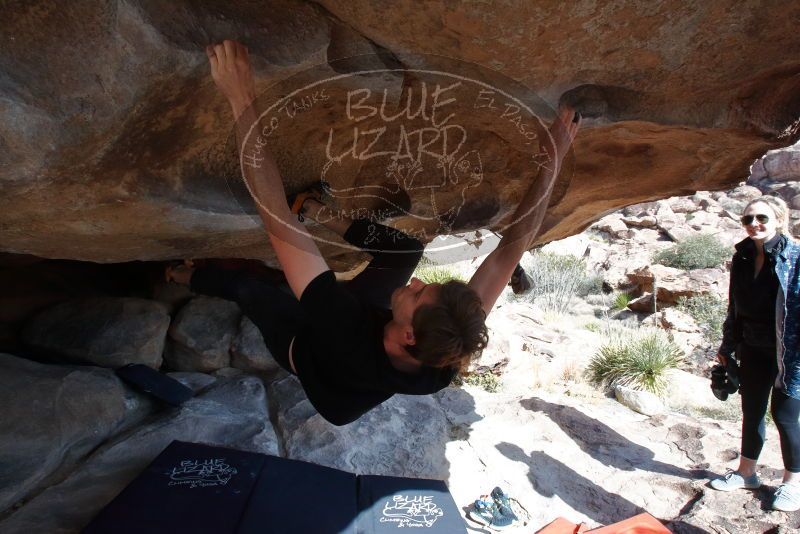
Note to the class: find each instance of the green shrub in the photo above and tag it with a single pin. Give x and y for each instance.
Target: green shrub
(639, 361)
(621, 301)
(695, 252)
(488, 381)
(434, 274)
(593, 326)
(556, 279)
(709, 312)
(591, 285)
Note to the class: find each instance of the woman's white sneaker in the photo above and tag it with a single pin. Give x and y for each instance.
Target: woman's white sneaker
(732, 480)
(787, 498)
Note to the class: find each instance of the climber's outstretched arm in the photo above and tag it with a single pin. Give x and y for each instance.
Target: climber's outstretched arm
(495, 271)
(296, 250)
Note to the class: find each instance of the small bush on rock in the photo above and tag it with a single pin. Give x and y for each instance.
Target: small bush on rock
(591, 285)
(640, 361)
(709, 312)
(487, 381)
(699, 251)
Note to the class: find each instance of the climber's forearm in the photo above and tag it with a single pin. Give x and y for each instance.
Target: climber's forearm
(495, 271)
(259, 169)
(527, 218)
(323, 214)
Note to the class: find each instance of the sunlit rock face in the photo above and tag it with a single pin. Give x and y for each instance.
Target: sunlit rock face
(115, 145)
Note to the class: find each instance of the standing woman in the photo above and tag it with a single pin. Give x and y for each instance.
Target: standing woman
(763, 329)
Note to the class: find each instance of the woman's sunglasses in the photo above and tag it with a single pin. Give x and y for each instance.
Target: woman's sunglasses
(747, 220)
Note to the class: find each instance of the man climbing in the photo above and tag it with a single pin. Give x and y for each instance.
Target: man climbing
(353, 346)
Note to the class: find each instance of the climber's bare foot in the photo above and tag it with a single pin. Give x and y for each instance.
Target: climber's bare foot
(180, 273)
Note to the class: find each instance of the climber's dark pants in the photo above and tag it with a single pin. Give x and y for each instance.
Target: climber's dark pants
(274, 309)
(758, 370)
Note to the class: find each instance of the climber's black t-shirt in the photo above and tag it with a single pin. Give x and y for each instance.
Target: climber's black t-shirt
(340, 358)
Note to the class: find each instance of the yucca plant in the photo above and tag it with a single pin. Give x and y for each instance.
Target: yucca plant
(640, 361)
(434, 274)
(621, 301)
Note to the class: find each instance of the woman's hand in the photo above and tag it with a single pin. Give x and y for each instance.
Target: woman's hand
(722, 359)
(230, 69)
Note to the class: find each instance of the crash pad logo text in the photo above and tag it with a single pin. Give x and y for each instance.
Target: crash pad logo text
(201, 473)
(411, 511)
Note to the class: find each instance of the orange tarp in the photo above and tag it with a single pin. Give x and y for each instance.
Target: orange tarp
(639, 524)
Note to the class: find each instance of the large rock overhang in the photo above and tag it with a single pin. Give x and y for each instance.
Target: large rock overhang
(116, 146)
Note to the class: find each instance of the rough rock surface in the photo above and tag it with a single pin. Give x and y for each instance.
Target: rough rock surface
(201, 335)
(674, 283)
(248, 351)
(109, 332)
(232, 413)
(782, 165)
(370, 445)
(54, 415)
(642, 402)
(119, 134)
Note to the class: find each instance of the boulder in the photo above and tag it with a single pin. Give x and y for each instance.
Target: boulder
(104, 331)
(694, 392)
(702, 220)
(702, 198)
(745, 193)
(679, 232)
(172, 295)
(249, 352)
(649, 237)
(710, 206)
(575, 245)
(732, 208)
(642, 304)
(119, 134)
(201, 335)
(646, 221)
(197, 382)
(404, 436)
(683, 205)
(613, 226)
(673, 319)
(666, 217)
(232, 413)
(642, 209)
(642, 402)
(53, 416)
(674, 283)
(781, 165)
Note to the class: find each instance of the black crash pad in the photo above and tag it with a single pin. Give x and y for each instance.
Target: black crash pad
(204, 489)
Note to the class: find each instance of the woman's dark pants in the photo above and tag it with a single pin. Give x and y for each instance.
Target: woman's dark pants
(758, 369)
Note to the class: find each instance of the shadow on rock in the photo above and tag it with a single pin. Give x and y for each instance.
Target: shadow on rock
(550, 478)
(603, 443)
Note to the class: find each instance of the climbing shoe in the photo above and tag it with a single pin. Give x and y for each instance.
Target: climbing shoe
(520, 281)
(296, 201)
(485, 512)
(503, 503)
